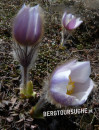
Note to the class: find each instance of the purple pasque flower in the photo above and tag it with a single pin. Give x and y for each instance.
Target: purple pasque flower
(70, 84)
(70, 22)
(27, 32)
(28, 25)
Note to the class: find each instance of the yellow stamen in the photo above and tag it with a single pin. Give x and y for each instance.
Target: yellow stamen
(70, 86)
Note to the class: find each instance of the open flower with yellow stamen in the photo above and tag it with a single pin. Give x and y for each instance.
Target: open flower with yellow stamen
(70, 84)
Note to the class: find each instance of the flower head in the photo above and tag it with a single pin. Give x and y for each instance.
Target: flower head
(70, 22)
(70, 84)
(28, 25)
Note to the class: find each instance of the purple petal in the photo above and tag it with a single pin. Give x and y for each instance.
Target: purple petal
(83, 87)
(80, 71)
(65, 66)
(78, 22)
(61, 77)
(35, 26)
(82, 91)
(71, 24)
(23, 6)
(62, 98)
(64, 19)
(20, 26)
(68, 18)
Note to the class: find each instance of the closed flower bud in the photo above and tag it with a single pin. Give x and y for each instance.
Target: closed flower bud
(28, 25)
(70, 22)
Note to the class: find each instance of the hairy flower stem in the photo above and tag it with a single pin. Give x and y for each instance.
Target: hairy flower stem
(25, 75)
(35, 111)
(24, 79)
(64, 37)
(25, 70)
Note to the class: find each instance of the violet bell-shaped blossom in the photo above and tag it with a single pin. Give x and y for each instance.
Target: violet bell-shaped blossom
(28, 25)
(70, 22)
(70, 84)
